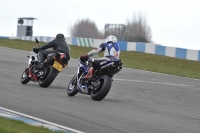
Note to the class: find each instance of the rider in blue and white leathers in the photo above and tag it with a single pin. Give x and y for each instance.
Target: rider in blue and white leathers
(111, 50)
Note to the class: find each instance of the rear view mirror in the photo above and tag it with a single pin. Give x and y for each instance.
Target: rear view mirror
(37, 40)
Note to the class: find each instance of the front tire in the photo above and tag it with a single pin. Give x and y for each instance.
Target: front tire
(48, 77)
(104, 84)
(24, 77)
(71, 89)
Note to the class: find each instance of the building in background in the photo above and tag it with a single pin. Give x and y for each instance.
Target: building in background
(117, 30)
(25, 26)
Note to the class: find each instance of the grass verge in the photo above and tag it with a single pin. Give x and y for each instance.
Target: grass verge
(137, 60)
(14, 126)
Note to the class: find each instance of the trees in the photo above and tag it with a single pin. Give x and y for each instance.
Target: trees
(85, 28)
(137, 29)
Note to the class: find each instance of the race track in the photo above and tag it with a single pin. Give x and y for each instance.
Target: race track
(138, 102)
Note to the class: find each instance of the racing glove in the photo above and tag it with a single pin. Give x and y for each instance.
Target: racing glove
(84, 58)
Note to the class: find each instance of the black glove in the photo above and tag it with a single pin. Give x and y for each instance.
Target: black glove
(36, 50)
(84, 58)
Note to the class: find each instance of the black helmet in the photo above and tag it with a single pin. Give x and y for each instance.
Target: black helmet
(60, 36)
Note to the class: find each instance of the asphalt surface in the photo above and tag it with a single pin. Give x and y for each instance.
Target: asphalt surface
(138, 102)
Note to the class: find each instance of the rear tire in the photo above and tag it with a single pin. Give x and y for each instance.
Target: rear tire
(71, 89)
(24, 77)
(48, 77)
(99, 93)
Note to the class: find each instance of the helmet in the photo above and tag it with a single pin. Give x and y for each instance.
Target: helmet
(60, 36)
(111, 38)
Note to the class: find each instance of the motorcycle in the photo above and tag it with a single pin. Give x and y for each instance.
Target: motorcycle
(52, 65)
(100, 83)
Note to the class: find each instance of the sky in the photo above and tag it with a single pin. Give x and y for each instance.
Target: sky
(174, 23)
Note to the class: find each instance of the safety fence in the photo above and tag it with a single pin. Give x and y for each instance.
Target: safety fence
(126, 46)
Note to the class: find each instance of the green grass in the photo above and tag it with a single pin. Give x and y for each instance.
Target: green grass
(14, 126)
(137, 60)
(161, 64)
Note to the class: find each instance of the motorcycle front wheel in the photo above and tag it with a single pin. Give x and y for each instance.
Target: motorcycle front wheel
(71, 89)
(24, 77)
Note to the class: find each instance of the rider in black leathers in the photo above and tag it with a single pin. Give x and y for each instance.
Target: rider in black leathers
(59, 45)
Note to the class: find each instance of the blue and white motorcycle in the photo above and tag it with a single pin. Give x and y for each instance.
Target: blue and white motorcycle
(99, 85)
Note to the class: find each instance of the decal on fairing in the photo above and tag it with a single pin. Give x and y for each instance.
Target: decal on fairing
(103, 62)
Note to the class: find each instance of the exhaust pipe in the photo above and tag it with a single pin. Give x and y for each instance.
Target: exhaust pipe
(119, 67)
(116, 70)
(107, 66)
(110, 65)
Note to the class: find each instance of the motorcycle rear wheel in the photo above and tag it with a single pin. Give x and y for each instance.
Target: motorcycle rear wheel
(48, 77)
(104, 84)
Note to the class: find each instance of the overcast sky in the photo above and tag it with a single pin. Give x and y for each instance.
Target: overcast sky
(173, 23)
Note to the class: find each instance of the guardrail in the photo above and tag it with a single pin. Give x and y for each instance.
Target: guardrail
(157, 49)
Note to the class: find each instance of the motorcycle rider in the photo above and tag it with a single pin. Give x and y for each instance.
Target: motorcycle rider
(111, 50)
(59, 45)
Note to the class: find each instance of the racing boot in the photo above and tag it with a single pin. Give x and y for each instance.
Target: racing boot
(40, 64)
(40, 61)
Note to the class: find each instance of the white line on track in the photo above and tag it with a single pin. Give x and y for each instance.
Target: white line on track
(140, 81)
(127, 80)
(40, 120)
(145, 71)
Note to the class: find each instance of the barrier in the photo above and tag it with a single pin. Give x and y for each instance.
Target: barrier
(85, 42)
(4, 37)
(164, 50)
(126, 46)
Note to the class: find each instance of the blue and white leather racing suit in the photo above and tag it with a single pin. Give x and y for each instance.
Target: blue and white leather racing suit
(110, 50)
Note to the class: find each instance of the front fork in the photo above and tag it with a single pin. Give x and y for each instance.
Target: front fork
(30, 74)
(81, 86)
(29, 65)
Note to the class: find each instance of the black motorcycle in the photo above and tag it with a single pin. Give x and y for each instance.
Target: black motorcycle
(99, 85)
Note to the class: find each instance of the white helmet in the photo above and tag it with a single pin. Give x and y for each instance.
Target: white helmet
(111, 38)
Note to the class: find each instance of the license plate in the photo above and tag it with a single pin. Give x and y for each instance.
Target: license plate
(57, 66)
